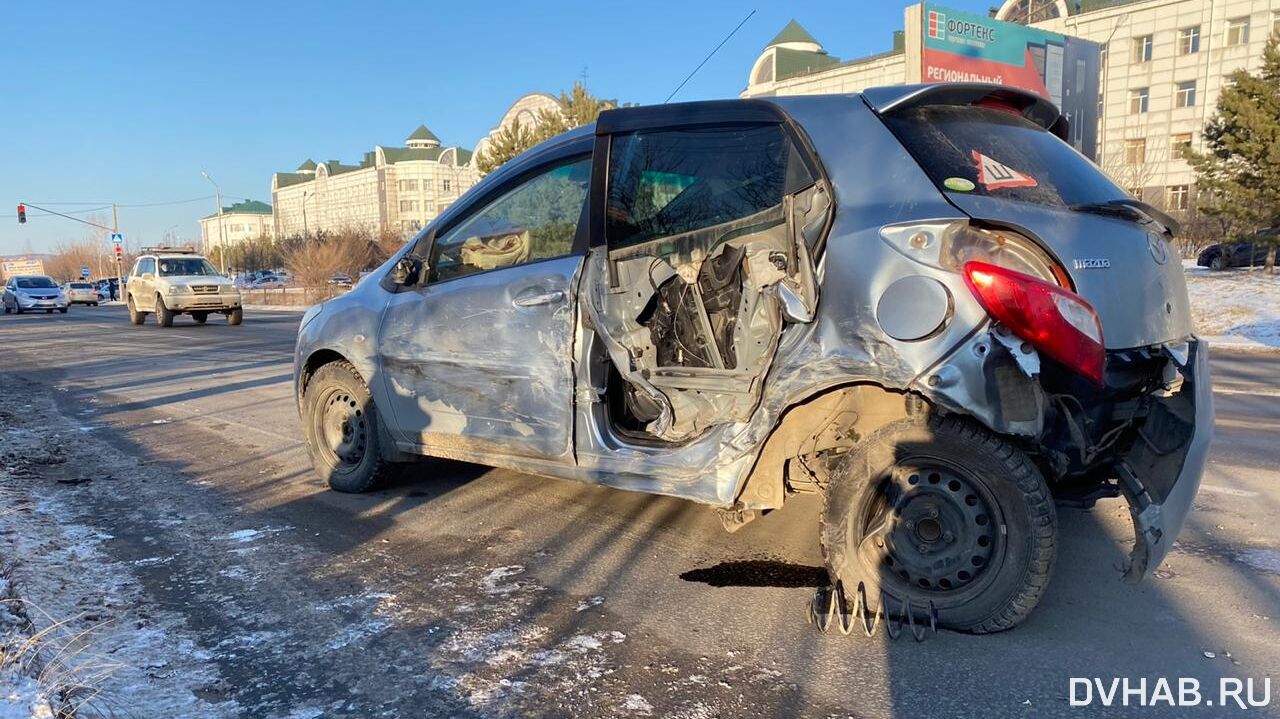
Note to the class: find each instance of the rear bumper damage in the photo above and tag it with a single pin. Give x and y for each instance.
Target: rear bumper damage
(1145, 439)
(1160, 473)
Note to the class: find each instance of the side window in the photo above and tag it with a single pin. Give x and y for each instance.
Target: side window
(536, 220)
(147, 264)
(670, 182)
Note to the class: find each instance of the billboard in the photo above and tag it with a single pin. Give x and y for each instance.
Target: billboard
(21, 266)
(957, 46)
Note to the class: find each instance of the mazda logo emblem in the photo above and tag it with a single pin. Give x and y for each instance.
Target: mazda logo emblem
(1159, 249)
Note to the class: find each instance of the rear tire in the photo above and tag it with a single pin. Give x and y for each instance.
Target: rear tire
(200, 317)
(343, 431)
(942, 511)
(236, 316)
(164, 316)
(135, 316)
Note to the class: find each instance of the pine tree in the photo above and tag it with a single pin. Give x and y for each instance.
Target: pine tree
(509, 141)
(1238, 175)
(577, 107)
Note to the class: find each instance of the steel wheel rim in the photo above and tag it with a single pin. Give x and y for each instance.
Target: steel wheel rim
(930, 529)
(342, 430)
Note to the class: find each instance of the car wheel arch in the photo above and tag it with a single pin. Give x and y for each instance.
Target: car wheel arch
(314, 362)
(830, 416)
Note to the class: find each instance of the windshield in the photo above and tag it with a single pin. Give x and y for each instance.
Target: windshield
(990, 152)
(36, 283)
(177, 266)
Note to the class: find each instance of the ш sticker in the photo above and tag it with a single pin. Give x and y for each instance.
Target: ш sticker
(994, 175)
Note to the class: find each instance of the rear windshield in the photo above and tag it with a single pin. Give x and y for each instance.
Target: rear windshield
(984, 151)
(81, 286)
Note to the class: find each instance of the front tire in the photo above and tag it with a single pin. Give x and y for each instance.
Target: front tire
(236, 316)
(63, 310)
(200, 317)
(164, 316)
(942, 511)
(1218, 263)
(342, 430)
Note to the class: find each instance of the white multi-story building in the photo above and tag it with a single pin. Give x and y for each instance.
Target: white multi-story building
(393, 189)
(248, 220)
(1163, 64)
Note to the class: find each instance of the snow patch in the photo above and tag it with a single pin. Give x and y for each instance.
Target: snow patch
(1236, 308)
(637, 703)
(495, 581)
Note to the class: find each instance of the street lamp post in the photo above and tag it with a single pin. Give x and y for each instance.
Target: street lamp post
(222, 241)
(305, 229)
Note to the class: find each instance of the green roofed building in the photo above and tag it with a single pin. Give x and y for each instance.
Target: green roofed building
(392, 189)
(246, 220)
(1163, 65)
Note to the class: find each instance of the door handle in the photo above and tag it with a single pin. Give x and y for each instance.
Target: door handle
(546, 298)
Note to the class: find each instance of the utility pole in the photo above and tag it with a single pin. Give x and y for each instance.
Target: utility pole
(222, 240)
(304, 214)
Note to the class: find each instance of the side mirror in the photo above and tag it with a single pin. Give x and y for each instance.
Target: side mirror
(407, 271)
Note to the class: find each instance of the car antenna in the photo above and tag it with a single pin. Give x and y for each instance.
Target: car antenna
(708, 57)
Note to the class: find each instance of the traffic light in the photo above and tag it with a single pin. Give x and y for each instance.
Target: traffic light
(22, 214)
(119, 252)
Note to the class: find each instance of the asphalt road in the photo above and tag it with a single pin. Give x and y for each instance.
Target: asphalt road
(471, 591)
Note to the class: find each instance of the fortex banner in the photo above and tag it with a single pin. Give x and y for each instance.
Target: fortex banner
(958, 46)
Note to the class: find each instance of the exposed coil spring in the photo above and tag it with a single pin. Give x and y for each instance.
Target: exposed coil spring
(830, 607)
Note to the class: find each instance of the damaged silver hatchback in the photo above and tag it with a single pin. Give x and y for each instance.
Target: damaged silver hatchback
(919, 302)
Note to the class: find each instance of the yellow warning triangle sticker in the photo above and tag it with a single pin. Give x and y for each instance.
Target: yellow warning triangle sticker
(994, 175)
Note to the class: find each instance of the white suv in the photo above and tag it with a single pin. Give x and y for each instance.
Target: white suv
(170, 281)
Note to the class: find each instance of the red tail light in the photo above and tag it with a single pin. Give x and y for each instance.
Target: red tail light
(1056, 322)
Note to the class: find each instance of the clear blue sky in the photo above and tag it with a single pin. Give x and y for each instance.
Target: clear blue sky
(129, 101)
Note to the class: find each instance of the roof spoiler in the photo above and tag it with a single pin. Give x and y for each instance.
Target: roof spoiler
(1037, 109)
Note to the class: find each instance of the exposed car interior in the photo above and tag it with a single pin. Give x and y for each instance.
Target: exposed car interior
(706, 244)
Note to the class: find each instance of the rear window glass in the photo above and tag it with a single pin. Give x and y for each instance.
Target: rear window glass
(984, 151)
(669, 182)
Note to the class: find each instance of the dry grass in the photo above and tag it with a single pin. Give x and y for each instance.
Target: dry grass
(61, 659)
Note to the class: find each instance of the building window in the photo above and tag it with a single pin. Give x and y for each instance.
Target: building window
(1189, 40)
(426, 185)
(408, 205)
(1185, 96)
(1138, 100)
(1180, 144)
(444, 185)
(1237, 31)
(408, 185)
(1275, 22)
(1179, 197)
(1135, 151)
(1142, 48)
